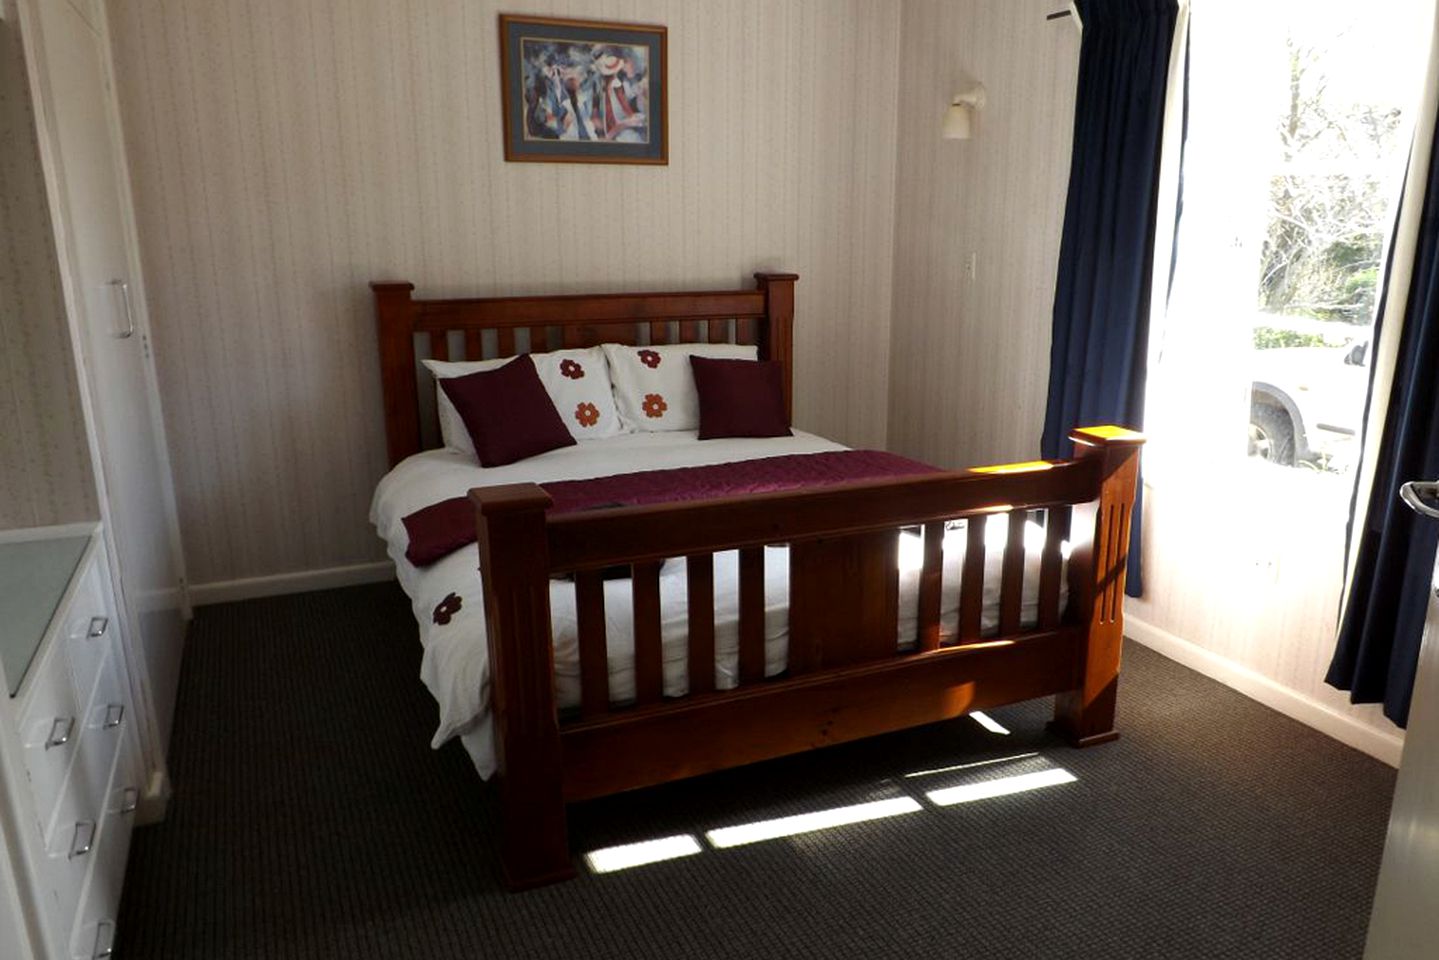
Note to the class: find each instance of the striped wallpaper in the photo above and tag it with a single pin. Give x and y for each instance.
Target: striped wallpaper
(285, 152)
(45, 475)
(970, 354)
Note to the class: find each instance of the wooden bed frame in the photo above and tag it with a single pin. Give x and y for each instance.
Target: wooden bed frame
(845, 679)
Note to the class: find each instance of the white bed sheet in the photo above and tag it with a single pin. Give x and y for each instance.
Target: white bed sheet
(455, 666)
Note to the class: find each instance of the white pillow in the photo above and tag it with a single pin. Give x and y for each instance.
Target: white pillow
(578, 382)
(655, 386)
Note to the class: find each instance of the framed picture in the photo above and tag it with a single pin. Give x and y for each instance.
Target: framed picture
(583, 91)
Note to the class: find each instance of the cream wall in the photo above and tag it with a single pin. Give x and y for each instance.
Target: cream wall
(1243, 569)
(285, 152)
(45, 475)
(970, 356)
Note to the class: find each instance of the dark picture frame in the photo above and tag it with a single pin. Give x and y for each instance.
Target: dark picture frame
(584, 91)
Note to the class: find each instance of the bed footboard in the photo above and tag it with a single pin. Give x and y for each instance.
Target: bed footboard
(845, 678)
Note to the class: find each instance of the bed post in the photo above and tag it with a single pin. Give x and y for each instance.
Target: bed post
(394, 316)
(1085, 715)
(776, 340)
(515, 566)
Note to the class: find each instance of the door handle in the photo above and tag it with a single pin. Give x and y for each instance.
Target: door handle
(1422, 498)
(129, 330)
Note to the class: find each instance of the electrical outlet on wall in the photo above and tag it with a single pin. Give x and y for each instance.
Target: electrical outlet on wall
(1266, 568)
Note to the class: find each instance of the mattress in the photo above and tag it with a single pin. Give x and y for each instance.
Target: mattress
(447, 597)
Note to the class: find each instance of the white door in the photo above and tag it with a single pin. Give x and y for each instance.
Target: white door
(106, 299)
(1406, 899)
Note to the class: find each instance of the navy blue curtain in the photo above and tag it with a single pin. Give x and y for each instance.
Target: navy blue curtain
(1100, 339)
(1383, 622)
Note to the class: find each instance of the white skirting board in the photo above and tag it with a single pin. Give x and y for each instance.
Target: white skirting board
(1380, 744)
(301, 581)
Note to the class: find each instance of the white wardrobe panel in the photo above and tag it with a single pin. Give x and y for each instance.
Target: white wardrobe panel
(100, 264)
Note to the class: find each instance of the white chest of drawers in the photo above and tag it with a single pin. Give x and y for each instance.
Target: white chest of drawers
(68, 753)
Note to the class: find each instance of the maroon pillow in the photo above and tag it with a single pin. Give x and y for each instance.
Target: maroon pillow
(740, 398)
(508, 413)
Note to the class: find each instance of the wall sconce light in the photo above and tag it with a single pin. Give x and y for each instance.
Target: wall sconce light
(959, 118)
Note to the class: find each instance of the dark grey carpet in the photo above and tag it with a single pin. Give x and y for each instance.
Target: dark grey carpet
(310, 819)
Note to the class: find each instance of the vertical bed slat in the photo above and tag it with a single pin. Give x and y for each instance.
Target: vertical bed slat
(971, 581)
(1011, 581)
(930, 578)
(649, 678)
(594, 658)
(701, 596)
(439, 345)
(719, 331)
(474, 345)
(1056, 531)
(751, 614)
(744, 331)
(505, 338)
(690, 331)
(572, 336)
(659, 332)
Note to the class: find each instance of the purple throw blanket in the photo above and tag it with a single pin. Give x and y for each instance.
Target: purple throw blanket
(439, 530)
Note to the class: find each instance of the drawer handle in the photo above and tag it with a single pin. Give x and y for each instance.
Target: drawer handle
(98, 626)
(60, 732)
(79, 847)
(129, 800)
(104, 940)
(114, 716)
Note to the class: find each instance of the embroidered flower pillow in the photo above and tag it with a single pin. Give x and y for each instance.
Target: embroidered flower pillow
(578, 381)
(655, 386)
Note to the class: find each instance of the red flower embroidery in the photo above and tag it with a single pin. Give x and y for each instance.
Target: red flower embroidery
(447, 608)
(655, 406)
(649, 358)
(571, 369)
(587, 413)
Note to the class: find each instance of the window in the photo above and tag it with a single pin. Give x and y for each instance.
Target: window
(1299, 129)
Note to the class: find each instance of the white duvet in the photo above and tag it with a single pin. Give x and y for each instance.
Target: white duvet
(455, 666)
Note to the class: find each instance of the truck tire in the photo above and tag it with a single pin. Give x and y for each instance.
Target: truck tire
(1271, 433)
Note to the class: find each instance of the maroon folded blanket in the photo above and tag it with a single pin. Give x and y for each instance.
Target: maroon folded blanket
(439, 530)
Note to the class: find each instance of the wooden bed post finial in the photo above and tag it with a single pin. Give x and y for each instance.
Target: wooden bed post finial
(515, 568)
(777, 335)
(1085, 715)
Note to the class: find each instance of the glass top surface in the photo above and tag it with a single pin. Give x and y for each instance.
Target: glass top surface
(33, 578)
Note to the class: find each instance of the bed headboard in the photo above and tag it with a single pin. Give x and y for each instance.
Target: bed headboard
(486, 327)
